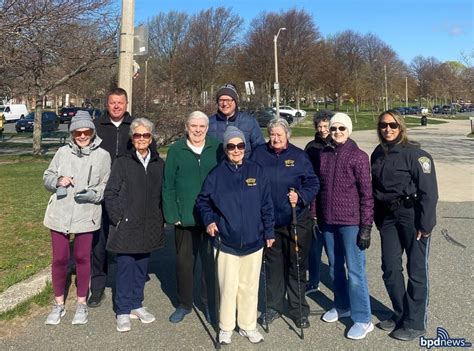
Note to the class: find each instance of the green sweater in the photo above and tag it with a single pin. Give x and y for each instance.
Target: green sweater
(185, 172)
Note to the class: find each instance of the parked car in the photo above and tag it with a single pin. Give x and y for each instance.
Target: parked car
(263, 116)
(401, 110)
(66, 113)
(292, 111)
(448, 110)
(49, 122)
(13, 112)
(424, 110)
(436, 109)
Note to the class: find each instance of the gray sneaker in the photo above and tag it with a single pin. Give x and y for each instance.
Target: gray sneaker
(57, 312)
(142, 314)
(253, 335)
(81, 314)
(123, 323)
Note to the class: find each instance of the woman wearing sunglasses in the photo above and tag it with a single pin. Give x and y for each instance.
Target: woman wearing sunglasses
(347, 215)
(406, 195)
(76, 176)
(236, 208)
(133, 203)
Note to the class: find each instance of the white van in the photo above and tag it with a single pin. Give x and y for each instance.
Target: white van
(14, 112)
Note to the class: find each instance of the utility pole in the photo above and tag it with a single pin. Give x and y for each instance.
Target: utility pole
(406, 91)
(126, 49)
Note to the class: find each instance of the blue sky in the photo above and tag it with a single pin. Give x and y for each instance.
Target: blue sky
(442, 29)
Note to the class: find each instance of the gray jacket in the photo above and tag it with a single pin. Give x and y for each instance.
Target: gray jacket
(90, 168)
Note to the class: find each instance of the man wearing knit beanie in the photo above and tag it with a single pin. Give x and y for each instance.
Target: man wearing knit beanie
(227, 99)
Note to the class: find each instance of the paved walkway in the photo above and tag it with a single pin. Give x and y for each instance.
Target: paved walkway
(450, 292)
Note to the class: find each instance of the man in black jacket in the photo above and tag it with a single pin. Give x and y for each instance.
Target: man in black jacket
(113, 128)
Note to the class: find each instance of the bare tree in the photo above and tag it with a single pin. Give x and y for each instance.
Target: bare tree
(57, 40)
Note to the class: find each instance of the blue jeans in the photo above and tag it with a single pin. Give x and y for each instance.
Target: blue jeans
(342, 251)
(314, 261)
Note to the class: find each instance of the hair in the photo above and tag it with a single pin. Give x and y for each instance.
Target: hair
(279, 122)
(145, 122)
(402, 126)
(117, 91)
(197, 115)
(322, 116)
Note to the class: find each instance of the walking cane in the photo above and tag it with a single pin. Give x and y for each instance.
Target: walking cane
(264, 262)
(293, 226)
(217, 297)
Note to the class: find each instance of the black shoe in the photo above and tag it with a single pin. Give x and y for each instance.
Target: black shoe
(302, 323)
(270, 316)
(387, 325)
(95, 300)
(407, 334)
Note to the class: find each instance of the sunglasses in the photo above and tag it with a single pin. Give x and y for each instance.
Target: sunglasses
(137, 136)
(341, 129)
(239, 146)
(392, 125)
(87, 133)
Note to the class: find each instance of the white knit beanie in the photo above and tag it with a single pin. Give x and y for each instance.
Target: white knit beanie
(342, 118)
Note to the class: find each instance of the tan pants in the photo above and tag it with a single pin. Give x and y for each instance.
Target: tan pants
(238, 283)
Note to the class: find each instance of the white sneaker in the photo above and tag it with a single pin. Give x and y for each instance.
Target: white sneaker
(253, 335)
(123, 323)
(225, 337)
(142, 314)
(360, 330)
(81, 316)
(54, 317)
(333, 315)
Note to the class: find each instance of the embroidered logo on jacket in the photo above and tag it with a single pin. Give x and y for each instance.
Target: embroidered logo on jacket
(425, 163)
(289, 163)
(251, 181)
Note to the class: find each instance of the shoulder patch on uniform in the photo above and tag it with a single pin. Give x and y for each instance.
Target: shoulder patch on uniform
(251, 181)
(289, 163)
(425, 163)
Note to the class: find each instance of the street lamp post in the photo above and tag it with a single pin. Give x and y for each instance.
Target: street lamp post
(277, 84)
(386, 89)
(146, 84)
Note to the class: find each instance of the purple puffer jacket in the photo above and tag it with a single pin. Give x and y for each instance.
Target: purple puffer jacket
(346, 187)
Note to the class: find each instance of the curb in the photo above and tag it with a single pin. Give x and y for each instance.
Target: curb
(22, 291)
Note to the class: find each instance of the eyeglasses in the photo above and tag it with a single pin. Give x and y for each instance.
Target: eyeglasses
(239, 146)
(137, 136)
(224, 101)
(78, 133)
(392, 125)
(341, 129)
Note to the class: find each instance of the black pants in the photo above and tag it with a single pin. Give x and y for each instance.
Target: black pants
(99, 264)
(191, 242)
(282, 274)
(398, 234)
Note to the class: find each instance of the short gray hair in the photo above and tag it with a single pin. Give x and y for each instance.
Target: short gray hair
(197, 115)
(144, 122)
(279, 122)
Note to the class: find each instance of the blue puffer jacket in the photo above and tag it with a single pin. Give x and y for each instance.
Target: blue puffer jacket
(218, 123)
(289, 169)
(238, 200)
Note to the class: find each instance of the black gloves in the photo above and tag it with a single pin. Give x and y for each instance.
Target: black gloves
(363, 238)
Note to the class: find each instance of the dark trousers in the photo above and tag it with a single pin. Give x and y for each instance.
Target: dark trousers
(130, 281)
(99, 262)
(282, 274)
(191, 242)
(398, 234)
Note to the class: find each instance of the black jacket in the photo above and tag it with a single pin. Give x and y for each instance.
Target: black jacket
(313, 149)
(133, 203)
(404, 170)
(115, 140)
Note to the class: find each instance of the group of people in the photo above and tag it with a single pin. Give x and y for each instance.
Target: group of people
(236, 201)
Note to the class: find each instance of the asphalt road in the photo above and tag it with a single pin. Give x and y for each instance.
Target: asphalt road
(451, 283)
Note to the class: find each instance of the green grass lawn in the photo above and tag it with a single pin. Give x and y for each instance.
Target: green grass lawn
(25, 242)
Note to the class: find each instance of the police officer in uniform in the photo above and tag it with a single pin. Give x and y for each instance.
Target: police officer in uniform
(406, 194)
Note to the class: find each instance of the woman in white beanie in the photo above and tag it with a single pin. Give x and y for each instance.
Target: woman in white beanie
(347, 215)
(76, 177)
